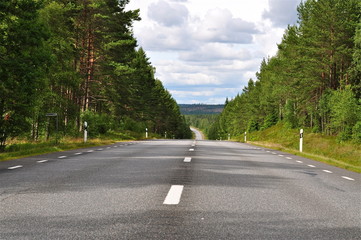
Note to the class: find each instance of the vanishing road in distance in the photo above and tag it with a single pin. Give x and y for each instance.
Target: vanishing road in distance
(177, 189)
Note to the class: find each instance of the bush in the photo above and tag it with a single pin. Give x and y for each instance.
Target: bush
(356, 132)
(98, 123)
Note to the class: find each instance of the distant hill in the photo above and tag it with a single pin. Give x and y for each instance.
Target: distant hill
(198, 109)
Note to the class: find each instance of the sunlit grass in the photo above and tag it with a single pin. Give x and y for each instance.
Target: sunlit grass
(19, 148)
(316, 146)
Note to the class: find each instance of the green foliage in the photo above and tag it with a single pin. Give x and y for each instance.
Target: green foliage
(23, 63)
(202, 122)
(78, 59)
(313, 81)
(356, 132)
(345, 111)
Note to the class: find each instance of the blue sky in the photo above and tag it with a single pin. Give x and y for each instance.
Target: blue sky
(206, 50)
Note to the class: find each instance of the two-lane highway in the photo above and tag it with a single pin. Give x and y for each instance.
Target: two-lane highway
(177, 189)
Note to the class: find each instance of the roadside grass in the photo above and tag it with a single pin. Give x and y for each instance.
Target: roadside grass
(19, 148)
(316, 146)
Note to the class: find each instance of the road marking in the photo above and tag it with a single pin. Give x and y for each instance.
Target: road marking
(108, 147)
(267, 151)
(91, 151)
(15, 167)
(79, 153)
(62, 157)
(311, 165)
(274, 153)
(327, 171)
(115, 146)
(191, 150)
(280, 155)
(347, 178)
(289, 158)
(187, 159)
(174, 195)
(41, 161)
(299, 161)
(100, 149)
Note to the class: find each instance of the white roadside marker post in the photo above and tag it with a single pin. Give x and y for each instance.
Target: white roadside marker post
(301, 140)
(229, 136)
(85, 132)
(146, 132)
(245, 136)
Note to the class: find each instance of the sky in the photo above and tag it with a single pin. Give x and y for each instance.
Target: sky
(205, 51)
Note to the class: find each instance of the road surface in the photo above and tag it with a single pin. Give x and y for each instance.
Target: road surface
(177, 189)
(198, 134)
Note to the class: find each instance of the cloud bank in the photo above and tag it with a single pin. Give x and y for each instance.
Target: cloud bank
(205, 51)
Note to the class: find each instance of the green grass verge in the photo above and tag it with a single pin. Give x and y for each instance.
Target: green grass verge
(20, 149)
(316, 146)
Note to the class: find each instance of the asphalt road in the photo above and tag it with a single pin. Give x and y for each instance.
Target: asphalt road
(177, 190)
(198, 134)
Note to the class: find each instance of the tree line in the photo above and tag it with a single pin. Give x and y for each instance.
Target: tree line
(79, 59)
(313, 81)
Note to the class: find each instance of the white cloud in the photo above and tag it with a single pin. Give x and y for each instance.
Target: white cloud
(168, 14)
(219, 25)
(207, 50)
(214, 52)
(282, 12)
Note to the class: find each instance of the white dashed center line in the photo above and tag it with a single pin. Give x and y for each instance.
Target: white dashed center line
(327, 171)
(191, 150)
(280, 155)
(79, 153)
(348, 178)
(15, 167)
(174, 195)
(289, 158)
(91, 151)
(187, 159)
(299, 161)
(41, 161)
(311, 166)
(62, 157)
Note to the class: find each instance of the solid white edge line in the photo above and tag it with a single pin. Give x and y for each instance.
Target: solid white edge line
(327, 171)
(348, 178)
(42, 161)
(187, 159)
(15, 167)
(174, 195)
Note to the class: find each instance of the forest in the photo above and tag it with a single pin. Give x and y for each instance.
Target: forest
(79, 60)
(314, 80)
